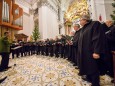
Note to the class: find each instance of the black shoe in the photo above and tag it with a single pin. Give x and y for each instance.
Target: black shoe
(112, 81)
(2, 70)
(86, 79)
(1, 80)
(8, 67)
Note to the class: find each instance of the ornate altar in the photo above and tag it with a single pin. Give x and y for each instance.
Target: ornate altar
(76, 9)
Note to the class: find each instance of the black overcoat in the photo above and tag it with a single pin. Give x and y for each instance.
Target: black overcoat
(89, 43)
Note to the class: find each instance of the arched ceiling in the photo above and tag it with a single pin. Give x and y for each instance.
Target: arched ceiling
(63, 2)
(72, 9)
(31, 1)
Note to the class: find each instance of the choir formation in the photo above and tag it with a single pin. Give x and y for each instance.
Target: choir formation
(89, 49)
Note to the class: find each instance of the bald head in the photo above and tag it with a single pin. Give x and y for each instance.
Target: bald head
(109, 23)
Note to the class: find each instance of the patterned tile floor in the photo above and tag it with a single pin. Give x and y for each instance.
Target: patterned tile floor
(44, 71)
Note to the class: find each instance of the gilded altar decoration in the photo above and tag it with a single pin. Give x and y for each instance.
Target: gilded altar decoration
(76, 9)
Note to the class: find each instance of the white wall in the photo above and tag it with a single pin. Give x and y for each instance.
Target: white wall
(109, 9)
(28, 22)
(100, 7)
(28, 25)
(43, 22)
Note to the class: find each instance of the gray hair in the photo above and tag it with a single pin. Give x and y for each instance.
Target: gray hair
(76, 25)
(86, 17)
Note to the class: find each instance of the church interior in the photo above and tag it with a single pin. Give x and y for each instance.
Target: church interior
(44, 47)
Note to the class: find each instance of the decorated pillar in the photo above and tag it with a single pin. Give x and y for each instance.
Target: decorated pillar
(68, 28)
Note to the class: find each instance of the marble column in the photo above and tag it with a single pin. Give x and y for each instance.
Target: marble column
(94, 15)
(43, 22)
(48, 20)
(62, 22)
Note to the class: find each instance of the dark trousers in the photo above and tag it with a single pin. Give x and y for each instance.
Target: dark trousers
(13, 52)
(5, 60)
(94, 79)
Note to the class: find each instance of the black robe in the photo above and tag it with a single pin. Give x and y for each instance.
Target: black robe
(74, 48)
(76, 37)
(110, 46)
(89, 43)
(105, 62)
(111, 37)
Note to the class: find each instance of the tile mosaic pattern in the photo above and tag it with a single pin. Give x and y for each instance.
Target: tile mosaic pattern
(44, 71)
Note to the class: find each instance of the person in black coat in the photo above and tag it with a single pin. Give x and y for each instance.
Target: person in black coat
(51, 52)
(21, 48)
(62, 46)
(67, 47)
(37, 48)
(104, 55)
(57, 41)
(13, 51)
(74, 44)
(47, 42)
(111, 35)
(42, 45)
(89, 48)
(110, 40)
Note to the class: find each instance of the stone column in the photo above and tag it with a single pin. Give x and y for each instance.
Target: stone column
(43, 21)
(93, 6)
(48, 21)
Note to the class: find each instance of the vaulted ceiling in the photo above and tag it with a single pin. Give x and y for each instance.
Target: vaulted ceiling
(30, 1)
(62, 1)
